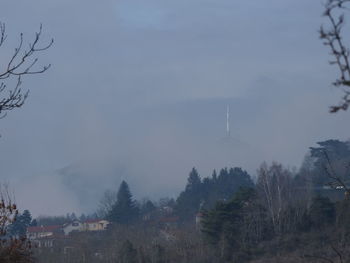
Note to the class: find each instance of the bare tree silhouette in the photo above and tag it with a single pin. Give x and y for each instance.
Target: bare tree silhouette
(332, 36)
(23, 61)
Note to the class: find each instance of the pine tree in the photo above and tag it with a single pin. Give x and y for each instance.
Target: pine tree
(188, 202)
(124, 211)
(193, 181)
(224, 223)
(147, 207)
(214, 176)
(34, 223)
(19, 227)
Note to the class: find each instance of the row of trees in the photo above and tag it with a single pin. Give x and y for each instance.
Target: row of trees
(283, 204)
(204, 193)
(279, 188)
(241, 220)
(236, 228)
(120, 207)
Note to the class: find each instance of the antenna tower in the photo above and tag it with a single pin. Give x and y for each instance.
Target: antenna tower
(228, 121)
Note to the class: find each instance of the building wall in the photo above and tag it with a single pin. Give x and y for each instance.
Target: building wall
(75, 226)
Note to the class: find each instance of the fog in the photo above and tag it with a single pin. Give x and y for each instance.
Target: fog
(138, 91)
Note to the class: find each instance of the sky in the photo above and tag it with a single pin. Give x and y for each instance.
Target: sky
(138, 91)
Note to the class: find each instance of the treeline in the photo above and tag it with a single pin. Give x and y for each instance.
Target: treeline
(285, 215)
(121, 208)
(204, 193)
(306, 212)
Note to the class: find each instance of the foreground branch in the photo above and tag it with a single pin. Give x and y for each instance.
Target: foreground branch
(22, 62)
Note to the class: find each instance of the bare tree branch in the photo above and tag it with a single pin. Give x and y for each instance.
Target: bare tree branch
(332, 37)
(12, 249)
(21, 63)
(337, 182)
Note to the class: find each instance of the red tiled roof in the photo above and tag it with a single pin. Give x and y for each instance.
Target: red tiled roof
(37, 229)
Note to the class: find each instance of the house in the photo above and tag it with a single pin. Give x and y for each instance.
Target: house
(74, 226)
(36, 232)
(45, 242)
(95, 225)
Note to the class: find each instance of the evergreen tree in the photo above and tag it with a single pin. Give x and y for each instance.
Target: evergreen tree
(205, 193)
(332, 153)
(26, 217)
(229, 181)
(147, 207)
(188, 202)
(34, 223)
(214, 176)
(224, 223)
(193, 181)
(19, 227)
(124, 211)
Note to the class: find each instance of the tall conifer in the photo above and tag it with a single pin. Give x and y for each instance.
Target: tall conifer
(124, 211)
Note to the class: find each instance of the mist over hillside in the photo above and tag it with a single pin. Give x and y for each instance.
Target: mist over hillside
(154, 149)
(142, 91)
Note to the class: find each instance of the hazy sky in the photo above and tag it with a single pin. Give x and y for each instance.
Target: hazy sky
(138, 91)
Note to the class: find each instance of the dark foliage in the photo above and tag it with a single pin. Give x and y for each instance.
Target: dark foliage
(124, 211)
(205, 193)
(19, 227)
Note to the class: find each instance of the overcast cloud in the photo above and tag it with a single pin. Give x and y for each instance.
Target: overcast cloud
(138, 91)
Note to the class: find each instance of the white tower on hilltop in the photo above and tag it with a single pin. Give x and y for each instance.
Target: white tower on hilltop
(228, 121)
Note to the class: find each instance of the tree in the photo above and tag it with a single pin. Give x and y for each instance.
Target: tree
(226, 225)
(188, 202)
(193, 181)
(274, 185)
(22, 62)
(19, 227)
(34, 223)
(106, 203)
(231, 180)
(330, 167)
(124, 210)
(12, 249)
(147, 206)
(333, 38)
(205, 193)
